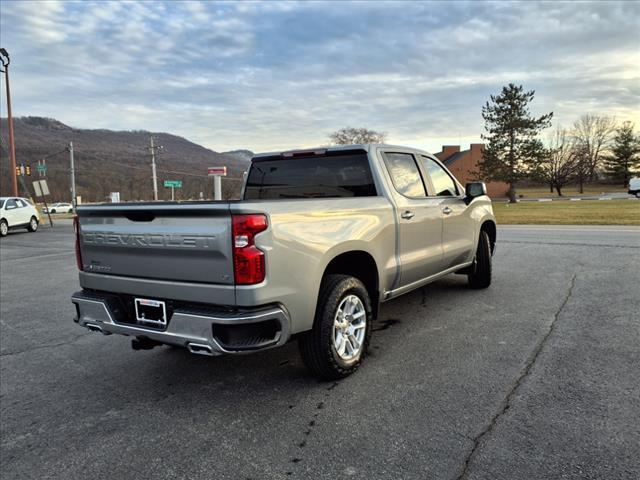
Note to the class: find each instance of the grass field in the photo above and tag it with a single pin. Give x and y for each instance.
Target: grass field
(568, 191)
(596, 212)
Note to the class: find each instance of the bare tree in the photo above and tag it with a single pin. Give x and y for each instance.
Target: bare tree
(350, 135)
(561, 162)
(593, 135)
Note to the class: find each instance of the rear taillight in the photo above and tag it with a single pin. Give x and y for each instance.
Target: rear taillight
(248, 260)
(76, 229)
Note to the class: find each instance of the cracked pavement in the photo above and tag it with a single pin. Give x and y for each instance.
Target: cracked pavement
(536, 377)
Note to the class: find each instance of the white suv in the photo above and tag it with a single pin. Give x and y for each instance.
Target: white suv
(634, 186)
(17, 212)
(59, 208)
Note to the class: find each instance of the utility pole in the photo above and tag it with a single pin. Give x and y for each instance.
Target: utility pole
(152, 149)
(12, 146)
(73, 176)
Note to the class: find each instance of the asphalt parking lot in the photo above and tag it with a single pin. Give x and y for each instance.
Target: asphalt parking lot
(536, 377)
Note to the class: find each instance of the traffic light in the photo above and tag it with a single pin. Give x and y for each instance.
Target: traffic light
(28, 170)
(18, 173)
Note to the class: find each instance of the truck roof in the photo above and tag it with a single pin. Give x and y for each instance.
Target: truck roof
(332, 148)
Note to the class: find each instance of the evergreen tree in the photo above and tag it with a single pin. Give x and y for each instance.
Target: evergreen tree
(625, 150)
(513, 148)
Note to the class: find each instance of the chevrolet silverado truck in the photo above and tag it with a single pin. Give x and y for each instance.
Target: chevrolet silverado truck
(319, 240)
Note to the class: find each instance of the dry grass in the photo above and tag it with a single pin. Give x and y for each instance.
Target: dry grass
(595, 212)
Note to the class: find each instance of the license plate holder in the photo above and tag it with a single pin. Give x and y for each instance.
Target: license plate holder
(151, 312)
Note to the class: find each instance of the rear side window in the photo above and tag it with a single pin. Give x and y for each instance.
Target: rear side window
(11, 203)
(405, 174)
(442, 181)
(334, 175)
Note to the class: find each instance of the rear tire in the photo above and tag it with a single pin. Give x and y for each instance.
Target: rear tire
(480, 276)
(637, 194)
(4, 228)
(337, 343)
(33, 224)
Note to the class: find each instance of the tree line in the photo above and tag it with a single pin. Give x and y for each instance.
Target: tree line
(594, 146)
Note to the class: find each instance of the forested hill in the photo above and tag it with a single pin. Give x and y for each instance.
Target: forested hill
(115, 161)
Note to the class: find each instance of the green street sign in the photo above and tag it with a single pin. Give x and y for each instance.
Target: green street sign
(173, 183)
(41, 168)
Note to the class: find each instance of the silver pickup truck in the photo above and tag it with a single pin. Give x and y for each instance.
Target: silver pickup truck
(320, 238)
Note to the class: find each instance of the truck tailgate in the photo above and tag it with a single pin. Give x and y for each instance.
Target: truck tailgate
(164, 241)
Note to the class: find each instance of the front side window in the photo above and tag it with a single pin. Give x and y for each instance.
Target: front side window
(405, 174)
(20, 203)
(444, 185)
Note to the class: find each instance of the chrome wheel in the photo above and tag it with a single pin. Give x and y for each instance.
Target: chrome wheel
(33, 224)
(349, 327)
(4, 228)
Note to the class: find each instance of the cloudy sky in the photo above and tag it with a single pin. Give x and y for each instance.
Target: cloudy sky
(268, 76)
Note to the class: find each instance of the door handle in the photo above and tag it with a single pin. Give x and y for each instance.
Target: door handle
(407, 214)
(447, 210)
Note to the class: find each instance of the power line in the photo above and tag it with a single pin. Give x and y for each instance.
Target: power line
(135, 167)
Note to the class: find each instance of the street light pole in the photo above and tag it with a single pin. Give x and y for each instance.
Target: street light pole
(73, 176)
(12, 146)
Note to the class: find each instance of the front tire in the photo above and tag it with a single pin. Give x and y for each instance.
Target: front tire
(4, 228)
(33, 224)
(338, 342)
(480, 276)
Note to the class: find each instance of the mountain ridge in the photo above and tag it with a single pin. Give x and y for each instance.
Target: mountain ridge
(115, 160)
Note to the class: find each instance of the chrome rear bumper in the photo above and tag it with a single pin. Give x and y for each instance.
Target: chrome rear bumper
(192, 328)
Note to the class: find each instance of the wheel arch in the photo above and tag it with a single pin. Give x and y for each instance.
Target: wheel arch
(490, 227)
(361, 265)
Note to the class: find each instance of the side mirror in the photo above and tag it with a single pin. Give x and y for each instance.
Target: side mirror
(474, 190)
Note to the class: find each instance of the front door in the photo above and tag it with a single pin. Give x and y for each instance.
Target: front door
(12, 212)
(458, 229)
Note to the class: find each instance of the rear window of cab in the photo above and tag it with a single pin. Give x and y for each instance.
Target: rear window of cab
(333, 175)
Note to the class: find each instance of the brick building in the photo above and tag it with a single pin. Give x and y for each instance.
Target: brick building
(464, 163)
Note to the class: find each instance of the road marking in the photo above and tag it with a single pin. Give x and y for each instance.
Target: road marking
(542, 228)
(35, 257)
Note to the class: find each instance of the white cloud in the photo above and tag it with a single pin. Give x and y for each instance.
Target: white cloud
(268, 75)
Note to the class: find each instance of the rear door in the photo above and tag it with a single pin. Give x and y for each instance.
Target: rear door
(23, 212)
(458, 229)
(419, 218)
(186, 242)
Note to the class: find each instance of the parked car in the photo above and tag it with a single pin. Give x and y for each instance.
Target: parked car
(59, 208)
(16, 212)
(634, 186)
(320, 239)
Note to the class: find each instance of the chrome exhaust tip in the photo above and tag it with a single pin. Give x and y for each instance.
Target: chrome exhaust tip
(200, 349)
(94, 328)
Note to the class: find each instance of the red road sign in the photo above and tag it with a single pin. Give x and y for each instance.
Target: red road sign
(217, 171)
